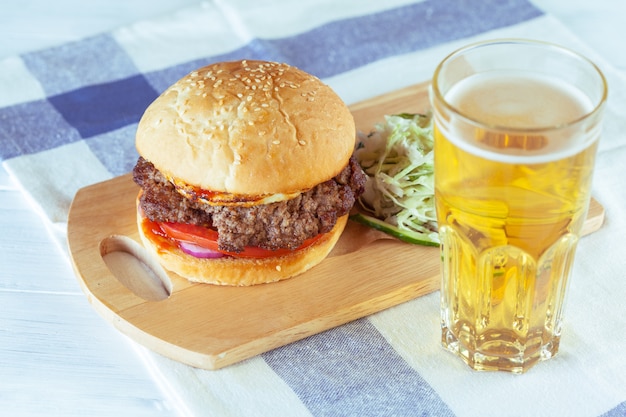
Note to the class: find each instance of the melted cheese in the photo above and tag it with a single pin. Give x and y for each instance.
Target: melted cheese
(219, 198)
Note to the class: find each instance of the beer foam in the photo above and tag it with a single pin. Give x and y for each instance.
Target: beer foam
(531, 115)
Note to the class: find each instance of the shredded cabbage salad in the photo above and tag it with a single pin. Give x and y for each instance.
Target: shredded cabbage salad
(398, 160)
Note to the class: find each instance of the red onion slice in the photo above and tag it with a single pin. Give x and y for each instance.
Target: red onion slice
(198, 251)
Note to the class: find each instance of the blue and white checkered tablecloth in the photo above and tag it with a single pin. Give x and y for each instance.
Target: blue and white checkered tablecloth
(68, 115)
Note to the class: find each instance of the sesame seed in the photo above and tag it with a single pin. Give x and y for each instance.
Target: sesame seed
(278, 268)
(239, 95)
(265, 105)
(301, 142)
(276, 142)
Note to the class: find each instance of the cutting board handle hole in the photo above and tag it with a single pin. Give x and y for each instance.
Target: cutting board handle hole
(135, 269)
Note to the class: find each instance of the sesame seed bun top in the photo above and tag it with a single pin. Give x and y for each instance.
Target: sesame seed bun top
(248, 127)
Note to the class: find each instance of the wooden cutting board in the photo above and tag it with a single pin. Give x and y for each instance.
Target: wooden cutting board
(210, 326)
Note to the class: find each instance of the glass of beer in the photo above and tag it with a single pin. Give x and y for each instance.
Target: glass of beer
(516, 125)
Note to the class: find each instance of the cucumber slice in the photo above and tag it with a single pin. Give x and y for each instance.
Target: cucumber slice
(408, 236)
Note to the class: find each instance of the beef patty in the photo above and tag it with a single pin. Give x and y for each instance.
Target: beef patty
(285, 224)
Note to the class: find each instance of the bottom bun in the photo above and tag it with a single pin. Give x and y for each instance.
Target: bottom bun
(239, 271)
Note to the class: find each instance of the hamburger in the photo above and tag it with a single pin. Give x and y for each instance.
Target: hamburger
(247, 173)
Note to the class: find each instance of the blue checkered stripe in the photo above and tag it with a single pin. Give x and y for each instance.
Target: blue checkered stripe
(94, 91)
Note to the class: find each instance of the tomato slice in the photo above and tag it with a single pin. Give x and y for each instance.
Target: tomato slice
(207, 238)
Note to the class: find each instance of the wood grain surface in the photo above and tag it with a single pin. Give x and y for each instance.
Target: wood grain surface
(210, 326)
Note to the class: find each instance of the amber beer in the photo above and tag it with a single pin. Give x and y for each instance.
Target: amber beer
(514, 156)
